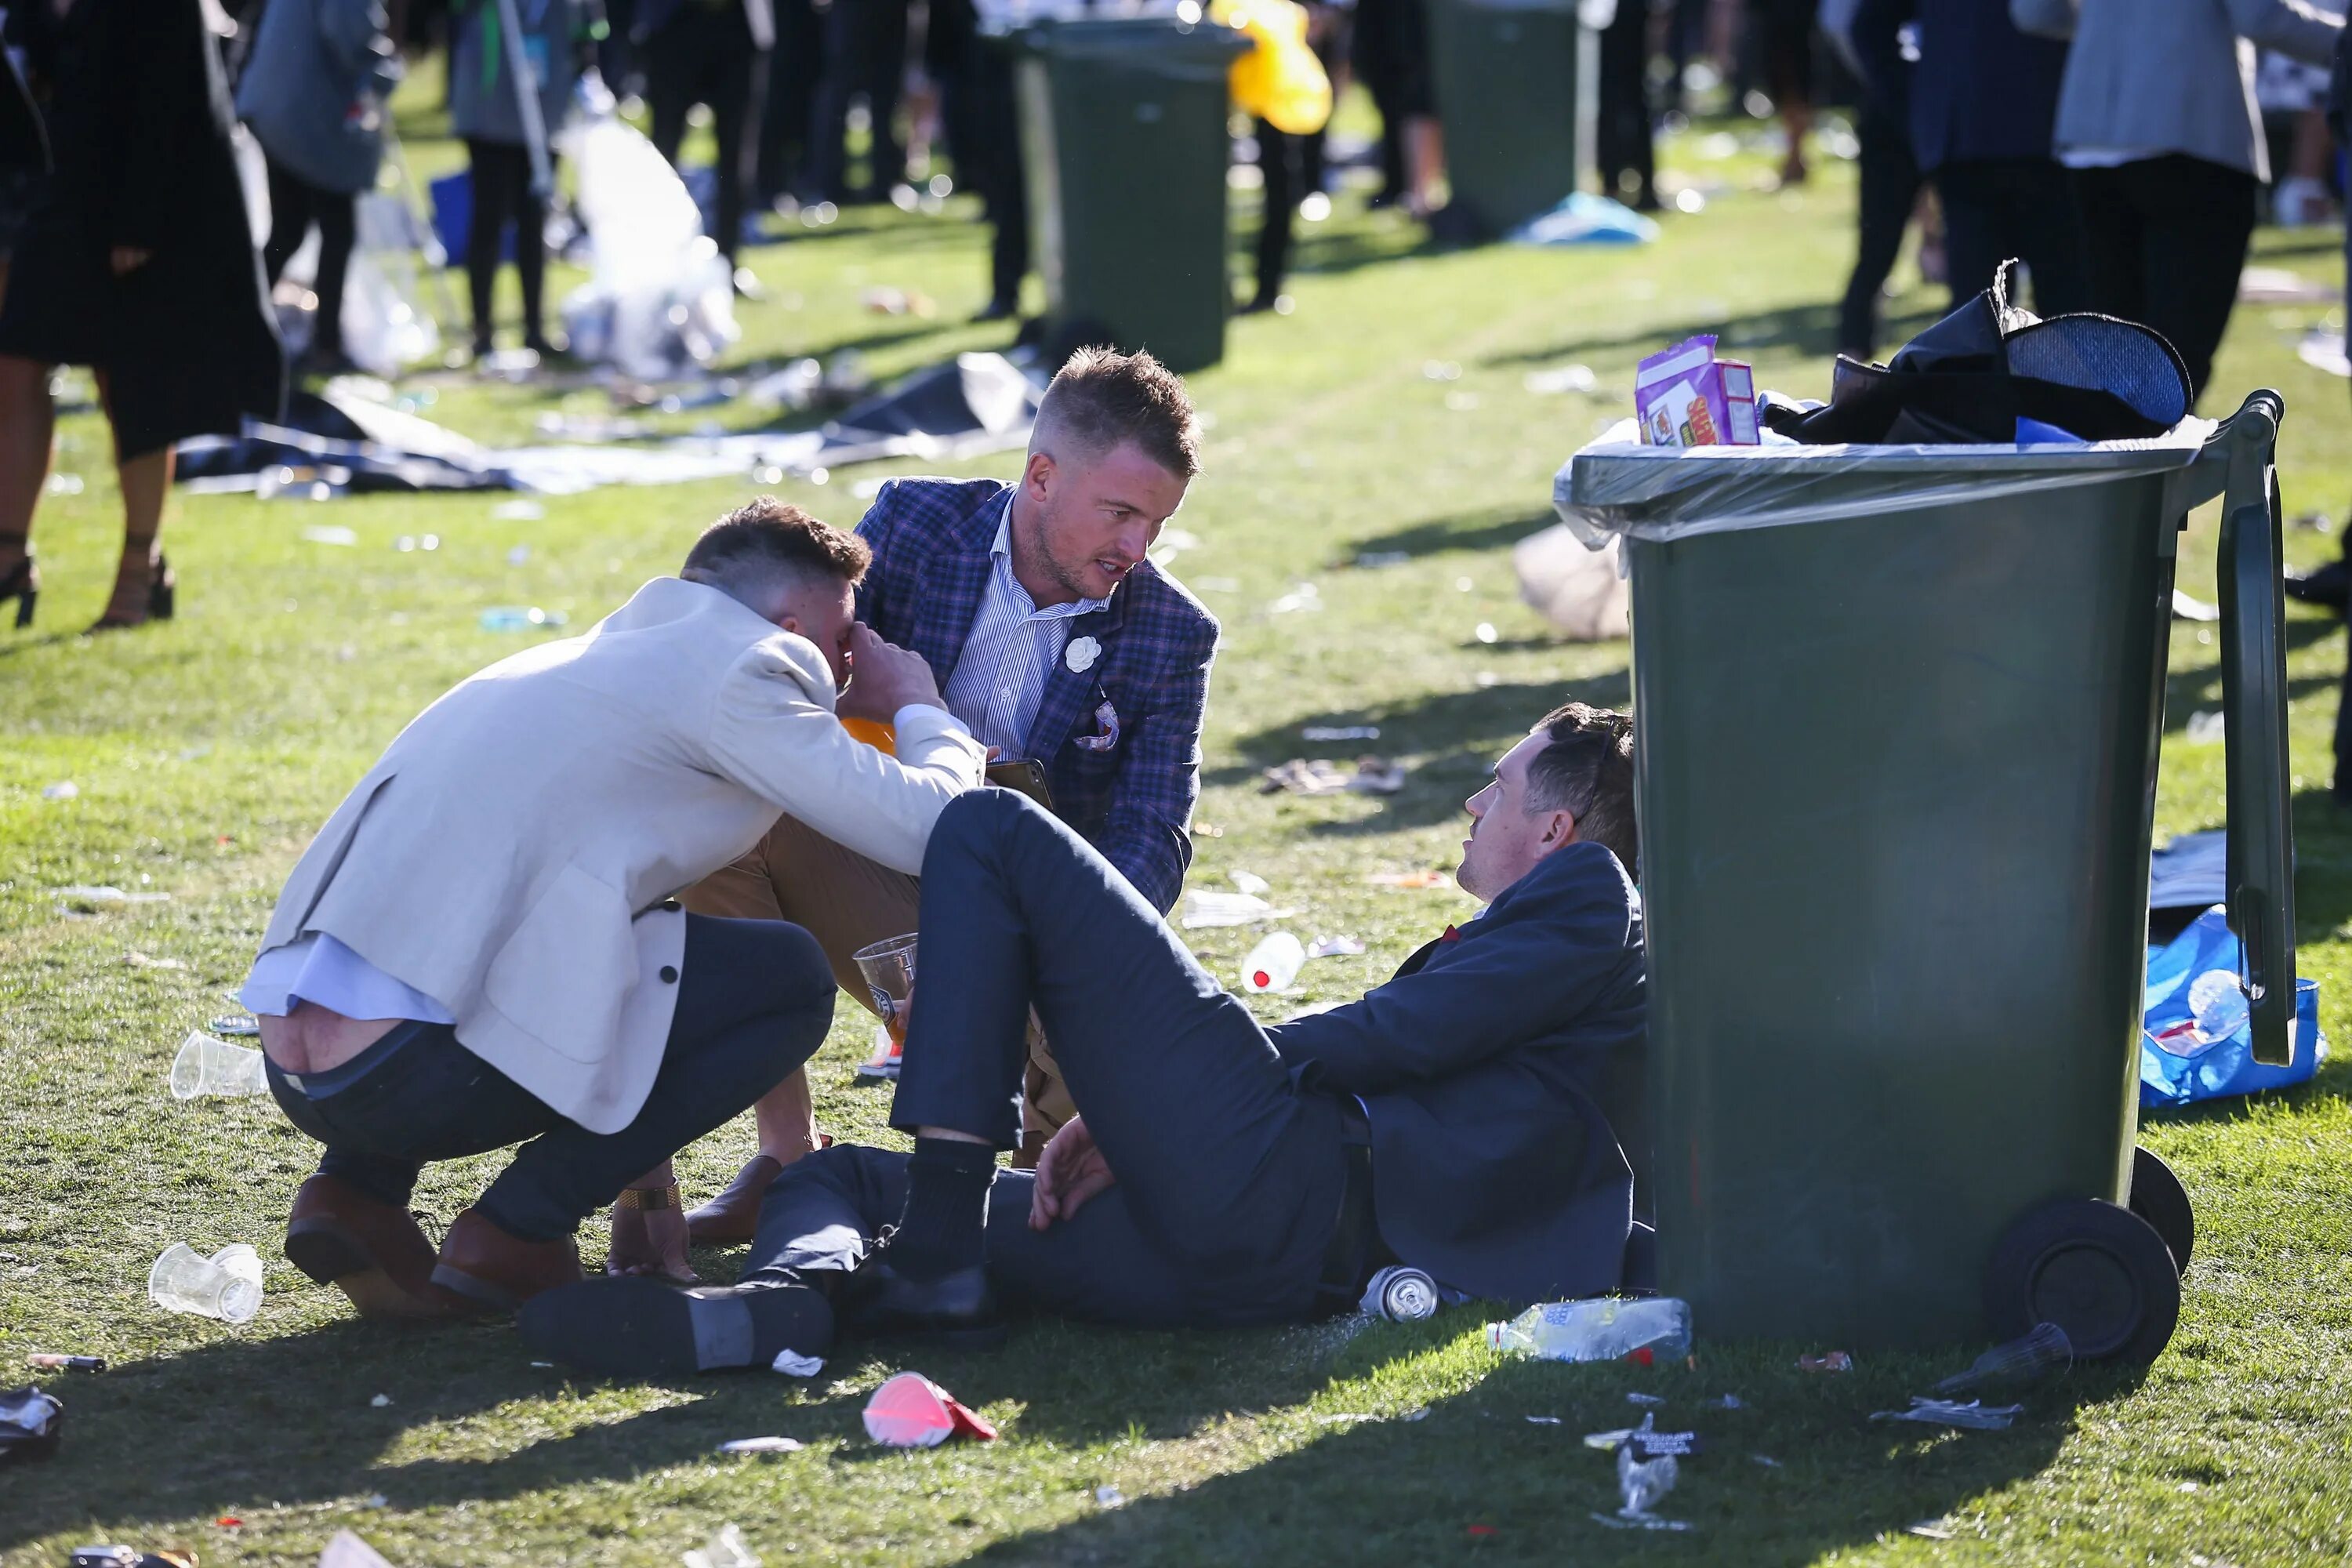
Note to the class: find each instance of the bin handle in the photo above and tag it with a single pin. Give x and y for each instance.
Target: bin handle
(2253, 703)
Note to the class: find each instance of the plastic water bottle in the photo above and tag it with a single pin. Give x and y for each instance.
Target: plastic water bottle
(2216, 1005)
(226, 1286)
(1272, 964)
(1606, 1328)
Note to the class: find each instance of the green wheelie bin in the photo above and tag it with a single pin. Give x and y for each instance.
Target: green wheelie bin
(1514, 91)
(1124, 143)
(1896, 723)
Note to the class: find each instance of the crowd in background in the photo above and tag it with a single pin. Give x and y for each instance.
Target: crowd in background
(2122, 148)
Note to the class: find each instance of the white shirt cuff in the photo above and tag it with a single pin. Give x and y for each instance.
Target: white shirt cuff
(930, 711)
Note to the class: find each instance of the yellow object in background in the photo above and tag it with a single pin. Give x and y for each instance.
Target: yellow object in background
(1280, 80)
(883, 738)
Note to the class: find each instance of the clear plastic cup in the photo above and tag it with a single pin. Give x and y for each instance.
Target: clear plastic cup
(226, 1286)
(207, 1066)
(889, 971)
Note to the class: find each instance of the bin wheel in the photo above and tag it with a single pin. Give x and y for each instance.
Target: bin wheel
(2098, 1271)
(2157, 1197)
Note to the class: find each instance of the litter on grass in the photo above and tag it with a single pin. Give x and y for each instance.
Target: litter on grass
(30, 1423)
(1833, 1361)
(1974, 1416)
(1642, 1483)
(1341, 732)
(1372, 775)
(348, 1551)
(1411, 878)
(1205, 907)
(1110, 1497)
(82, 893)
(64, 789)
(724, 1549)
(761, 1445)
(910, 1411)
(2024, 1361)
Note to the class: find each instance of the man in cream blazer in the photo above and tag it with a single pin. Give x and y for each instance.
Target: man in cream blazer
(481, 947)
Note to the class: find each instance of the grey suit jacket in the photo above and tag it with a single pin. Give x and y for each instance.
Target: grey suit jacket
(2172, 76)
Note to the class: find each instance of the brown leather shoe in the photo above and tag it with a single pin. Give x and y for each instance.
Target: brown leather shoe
(734, 1214)
(373, 1252)
(498, 1271)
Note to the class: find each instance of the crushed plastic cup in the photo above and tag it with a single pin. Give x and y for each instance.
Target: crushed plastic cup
(723, 1550)
(1974, 1415)
(1642, 1483)
(207, 1066)
(226, 1286)
(910, 1411)
(64, 789)
(2026, 1359)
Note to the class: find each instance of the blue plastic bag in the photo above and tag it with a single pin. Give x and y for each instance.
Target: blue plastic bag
(2178, 1063)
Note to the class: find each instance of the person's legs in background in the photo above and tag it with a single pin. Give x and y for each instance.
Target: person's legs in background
(2112, 242)
(28, 431)
(1976, 235)
(1789, 69)
(501, 176)
(1003, 183)
(144, 585)
(1278, 161)
(337, 213)
(736, 83)
(2199, 219)
(2043, 226)
(1626, 156)
(290, 200)
(1889, 189)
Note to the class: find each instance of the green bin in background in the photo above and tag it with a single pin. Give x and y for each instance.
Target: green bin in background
(1897, 732)
(1516, 92)
(1124, 141)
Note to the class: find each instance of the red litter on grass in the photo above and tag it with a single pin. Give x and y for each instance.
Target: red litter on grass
(1482, 1530)
(229, 1521)
(1835, 1361)
(910, 1411)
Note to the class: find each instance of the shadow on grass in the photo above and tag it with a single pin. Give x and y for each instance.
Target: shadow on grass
(1501, 1468)
(1460, 733)
(1809, 330)
(2187, 691)
(1477, 531)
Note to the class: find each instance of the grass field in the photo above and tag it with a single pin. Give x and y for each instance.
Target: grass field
(1389, 414)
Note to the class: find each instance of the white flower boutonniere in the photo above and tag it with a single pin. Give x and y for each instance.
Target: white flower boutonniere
(1080, 654)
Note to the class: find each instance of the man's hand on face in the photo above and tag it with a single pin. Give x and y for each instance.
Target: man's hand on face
(884, 678)
(1071, 1171)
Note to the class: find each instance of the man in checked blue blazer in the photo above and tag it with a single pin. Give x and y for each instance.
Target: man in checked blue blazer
(1056, 641)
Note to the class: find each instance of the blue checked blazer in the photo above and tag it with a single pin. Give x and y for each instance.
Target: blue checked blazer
(1132, 800)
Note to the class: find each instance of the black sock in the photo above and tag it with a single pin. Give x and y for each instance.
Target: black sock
(944, 1226)
(788, 1318)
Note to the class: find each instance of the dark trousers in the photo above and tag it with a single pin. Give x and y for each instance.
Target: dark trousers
(1999, 209)
(1890, 188)
(503, 193)
(704, 55)
(993, 150)
(1293, 166)
(794, 68)
(1230, 1178)
(2167, 238)
(295, 204)
(865, 52)
(754, 1001)
(1622, 133)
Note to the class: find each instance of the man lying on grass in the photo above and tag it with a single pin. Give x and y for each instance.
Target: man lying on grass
(1219, 1172)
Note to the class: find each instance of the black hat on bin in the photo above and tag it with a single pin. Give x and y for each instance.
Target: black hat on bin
(1972, 375)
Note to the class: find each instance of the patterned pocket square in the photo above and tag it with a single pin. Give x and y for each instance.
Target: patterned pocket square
(1107, 736)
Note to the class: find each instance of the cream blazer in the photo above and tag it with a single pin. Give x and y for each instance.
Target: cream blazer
(513, 854)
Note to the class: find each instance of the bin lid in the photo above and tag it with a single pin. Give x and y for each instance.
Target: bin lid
(1136, 41)
(1617, 485)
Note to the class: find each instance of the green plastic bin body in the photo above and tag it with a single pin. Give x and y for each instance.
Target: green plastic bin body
(1124, 141)
(1897, 774)
(1513, 94)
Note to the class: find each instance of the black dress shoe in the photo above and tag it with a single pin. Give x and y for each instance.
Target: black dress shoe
(2330, 586)
(997, 310)
(636, 1327)
(956, 1309)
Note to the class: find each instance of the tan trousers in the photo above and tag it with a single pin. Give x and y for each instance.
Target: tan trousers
(846, 902)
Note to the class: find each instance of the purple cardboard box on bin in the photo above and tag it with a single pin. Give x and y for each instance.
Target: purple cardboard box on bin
(1687, 397)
